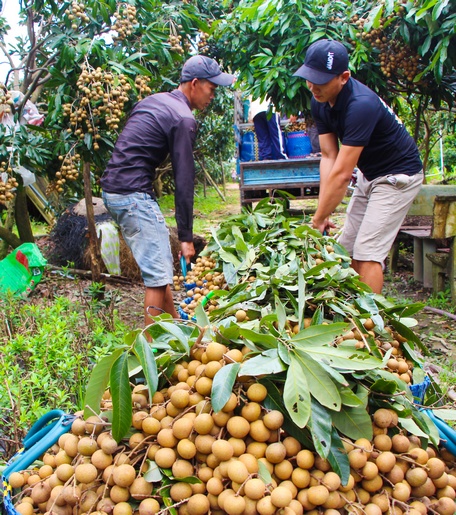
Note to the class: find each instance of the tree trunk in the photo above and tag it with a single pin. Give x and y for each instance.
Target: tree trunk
(21, 214)
(7, 237)
(94, 246)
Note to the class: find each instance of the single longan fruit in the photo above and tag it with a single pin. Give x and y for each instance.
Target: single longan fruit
(180, 398)
(318, 495)
(383, 418)
(180, 491)
(16, 480)
(237, 471)
(203, 423)
(238, 427)
(257, 392)
(281, 497)
(305, 459)
(215, 351)
(149, 506)
(124, 475)
(400, 443)
(273, 420)
(383, 442)
(254, 488)
(435, 466)
(385, 461)
(198, 504)
(292, 446)
(251, 411)
(275, 452)
(186, 449)
(223, 450)
(165, 457)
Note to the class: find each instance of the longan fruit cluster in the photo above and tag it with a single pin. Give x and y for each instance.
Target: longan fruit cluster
(395, 57)
(203, 46)
(125, 21)
(69, 170)
(142, 86)
(175, 39)
(76, 12)
(102, 97)
(6, 101)
(6, 188)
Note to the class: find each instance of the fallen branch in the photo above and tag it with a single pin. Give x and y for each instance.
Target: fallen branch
(440, 312)
(113, 278)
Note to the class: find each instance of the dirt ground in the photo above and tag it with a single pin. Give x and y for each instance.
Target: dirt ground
(435, 329)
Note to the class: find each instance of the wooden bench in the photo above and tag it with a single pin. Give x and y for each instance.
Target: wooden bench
(430, 264)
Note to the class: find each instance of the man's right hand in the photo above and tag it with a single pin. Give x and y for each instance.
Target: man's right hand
(187, 250)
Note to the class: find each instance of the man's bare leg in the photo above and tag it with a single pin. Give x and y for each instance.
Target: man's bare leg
(160, 297)
(371, 273)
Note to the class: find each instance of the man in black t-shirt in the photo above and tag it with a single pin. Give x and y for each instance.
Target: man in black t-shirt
(159, 125)
(358, 129)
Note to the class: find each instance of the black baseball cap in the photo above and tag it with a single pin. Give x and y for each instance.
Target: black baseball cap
(325, 59)
(202, 67)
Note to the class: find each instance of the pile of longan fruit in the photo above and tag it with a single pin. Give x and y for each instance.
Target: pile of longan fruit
(200, 280)
(241, 459)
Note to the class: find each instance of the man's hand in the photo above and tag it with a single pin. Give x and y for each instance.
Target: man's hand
(322, 225)
(187, 250)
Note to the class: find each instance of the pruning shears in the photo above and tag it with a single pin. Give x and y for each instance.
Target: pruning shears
(42, 435)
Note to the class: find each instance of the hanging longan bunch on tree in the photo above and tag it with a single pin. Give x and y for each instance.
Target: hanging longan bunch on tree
(101, 100)
(76, 13)
(69, 170)
(125, 21)
(7, 181)
(174, 38)
(142, 86)
(396, 58)
(202, 43)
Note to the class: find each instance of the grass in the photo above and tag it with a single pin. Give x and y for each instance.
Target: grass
(209, 207)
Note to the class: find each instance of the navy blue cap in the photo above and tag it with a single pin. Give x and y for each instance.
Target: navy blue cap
(325, 59)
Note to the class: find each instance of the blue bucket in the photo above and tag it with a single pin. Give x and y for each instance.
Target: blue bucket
(298, 144)
(248, 147)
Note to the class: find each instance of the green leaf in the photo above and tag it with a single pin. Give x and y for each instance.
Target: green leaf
(98, 382)
(176, 331)
(338, 458)
(268, 362)
(320, 428)
(319, 334)
(319, 382)
(153, 474)
(263, 341)
(121, 398)
(343, 358)
(264, 474)
(143, 351)
(353, 422)
(296, 393)
(222, 385)
(281, 314)
(407, 333)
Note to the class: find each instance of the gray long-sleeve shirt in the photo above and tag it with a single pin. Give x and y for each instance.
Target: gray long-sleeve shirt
(159, 125)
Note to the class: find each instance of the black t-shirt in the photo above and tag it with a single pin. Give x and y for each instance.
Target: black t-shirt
(360, 118)
(159, 125)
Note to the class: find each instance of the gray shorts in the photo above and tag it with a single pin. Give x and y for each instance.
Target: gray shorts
(375, 214)
(145, 232)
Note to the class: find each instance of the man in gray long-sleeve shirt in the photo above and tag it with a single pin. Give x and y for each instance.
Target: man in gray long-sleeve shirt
(159, 125)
